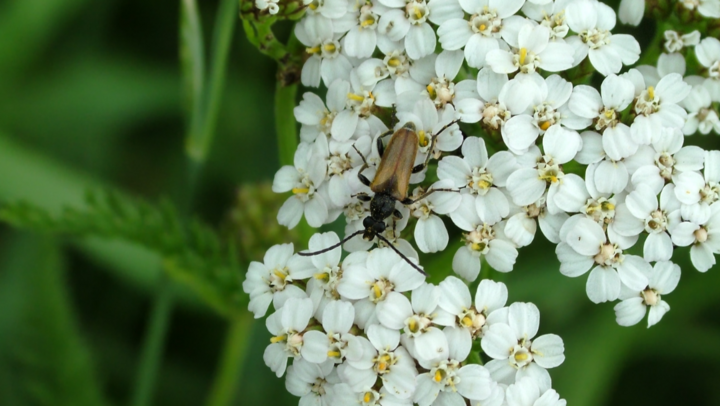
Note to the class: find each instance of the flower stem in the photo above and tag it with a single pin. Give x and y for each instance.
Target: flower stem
(204, 113)
(153, 344)
(229, 372)
(287, 138)
(198, 143)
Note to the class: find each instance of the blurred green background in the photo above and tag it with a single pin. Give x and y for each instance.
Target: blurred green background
(92, 97)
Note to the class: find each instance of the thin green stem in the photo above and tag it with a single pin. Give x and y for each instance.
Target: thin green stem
(198, 143)
(192, 62)
(285, 128)
(232, 358)
(287, 137)
(153, 344)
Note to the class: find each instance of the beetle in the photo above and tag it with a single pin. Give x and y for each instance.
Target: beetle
(391, 184)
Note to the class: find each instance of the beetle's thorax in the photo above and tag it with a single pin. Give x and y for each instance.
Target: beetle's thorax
(382, 206)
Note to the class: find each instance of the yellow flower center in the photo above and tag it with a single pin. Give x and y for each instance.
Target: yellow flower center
(523, 55)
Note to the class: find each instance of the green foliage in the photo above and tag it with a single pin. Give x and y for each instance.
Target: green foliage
(43, 360)
(193, 253)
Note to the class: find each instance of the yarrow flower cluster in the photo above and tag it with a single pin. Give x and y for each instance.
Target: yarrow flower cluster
(370, 330)
(506, 124)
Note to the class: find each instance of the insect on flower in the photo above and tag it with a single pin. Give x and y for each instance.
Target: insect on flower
(391, 184)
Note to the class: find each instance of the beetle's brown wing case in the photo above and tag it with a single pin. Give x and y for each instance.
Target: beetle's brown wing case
(398, 160)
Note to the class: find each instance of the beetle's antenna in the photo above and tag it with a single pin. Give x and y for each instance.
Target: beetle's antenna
(332, 247)
(389, 244)
(447, 126)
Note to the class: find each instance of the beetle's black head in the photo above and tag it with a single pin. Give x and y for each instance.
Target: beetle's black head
(382, 206)
(372, 227)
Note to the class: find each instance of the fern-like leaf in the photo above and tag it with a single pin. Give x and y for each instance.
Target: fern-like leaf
(193, 253)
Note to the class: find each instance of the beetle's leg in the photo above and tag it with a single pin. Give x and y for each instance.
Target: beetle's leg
(363, 197)
(380, 145)
(365, 181)
(397, 214)
(408, 200)
(420, 167)
(365, 163)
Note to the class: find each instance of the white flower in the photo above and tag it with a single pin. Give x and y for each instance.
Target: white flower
(675, 42)
(287, 326)
(703, 235)
(432, 79)
(325, 61)
(701, 116)
(481, 177)
(320, 14)
(482, 31)
(631, 12)
(528, 184)
(498, 100)
(640, 212)
(584, 245)
(551, 14)
(336, 343)
(473, 318)
(516, 353)
(521, 226)
(548, 108)
(617, 93)
(361, 38)
(526, 392)
(481, 239)
(310, 382)
(411, 23)
(707, 8)
(447, 382)
(357, 118)
(273, 279)
(327, 270)
(533, 51)
(417, 320)
(370, 283)
(708, 54)
(698, 192)
(386, 360)
(430, 233)
(663, 280)
(342, 394)
(314, 116)
(304, 180)
(593, 20)
(395, 65)
(657, 106)
(270, 5)
(668, 160)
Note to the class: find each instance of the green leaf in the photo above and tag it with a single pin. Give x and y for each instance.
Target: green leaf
(193, 253)
(43, 360)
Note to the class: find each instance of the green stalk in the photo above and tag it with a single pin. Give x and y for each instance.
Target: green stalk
(153, 344)
(204, 113)
(287, 138)
(229, 373)
(198, 143)
(285, 127)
